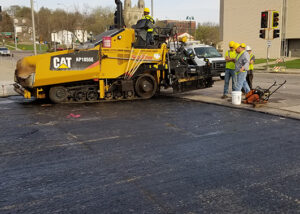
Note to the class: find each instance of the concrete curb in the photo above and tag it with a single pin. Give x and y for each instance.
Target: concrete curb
(272, 72)
(7, 89)
(265, 110)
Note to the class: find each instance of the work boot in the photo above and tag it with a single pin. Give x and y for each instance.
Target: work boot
(224, 96)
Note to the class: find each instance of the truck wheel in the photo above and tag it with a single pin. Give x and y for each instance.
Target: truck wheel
(58, 94)
(146, 86)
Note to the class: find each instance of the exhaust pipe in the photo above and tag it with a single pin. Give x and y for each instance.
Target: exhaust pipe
(119, 20)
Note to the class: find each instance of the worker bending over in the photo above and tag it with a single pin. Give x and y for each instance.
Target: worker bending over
(242, 63)
(251, 67)
(149, 37)
(230, 56)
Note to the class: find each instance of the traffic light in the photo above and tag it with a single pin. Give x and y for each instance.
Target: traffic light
(264, 19)
(262, 34)
(276, 34)
(275, 18)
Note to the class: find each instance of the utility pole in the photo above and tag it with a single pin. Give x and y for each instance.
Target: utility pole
(13, 13)
(33, 27)
(15, 31)
(152, 8)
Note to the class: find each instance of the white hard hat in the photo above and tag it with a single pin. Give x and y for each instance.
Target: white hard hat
(248, 48)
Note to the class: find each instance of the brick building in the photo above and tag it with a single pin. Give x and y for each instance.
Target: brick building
(182, 26)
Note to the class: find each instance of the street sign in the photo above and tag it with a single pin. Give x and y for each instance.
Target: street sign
(269, 43)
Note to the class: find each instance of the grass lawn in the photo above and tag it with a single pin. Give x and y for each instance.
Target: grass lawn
(294, 64)
(260, 61)
(27, 47)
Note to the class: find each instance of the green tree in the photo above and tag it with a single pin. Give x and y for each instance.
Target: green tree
(208, 33)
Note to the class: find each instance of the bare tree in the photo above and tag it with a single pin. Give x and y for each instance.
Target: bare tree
(44, 24)
(95, 20)
(100, 19)
(6, 25)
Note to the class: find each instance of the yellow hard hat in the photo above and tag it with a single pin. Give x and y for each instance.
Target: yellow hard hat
(184, 39)
(147, 10)
(243, 45)
(236, 45)
(231, 44)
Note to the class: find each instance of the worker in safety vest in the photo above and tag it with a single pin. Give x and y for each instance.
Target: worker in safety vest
(242, 63)
(251, 67)
(230, 56)
(149, 37)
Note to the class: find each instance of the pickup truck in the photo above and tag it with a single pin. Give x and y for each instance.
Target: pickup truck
(4, 51)
(205, 52)
(202, 52)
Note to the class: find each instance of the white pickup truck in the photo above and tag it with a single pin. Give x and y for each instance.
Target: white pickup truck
(4, 51)
(201, 52)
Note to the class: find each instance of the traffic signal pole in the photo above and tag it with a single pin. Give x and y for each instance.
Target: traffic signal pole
(269, 23)
(268, 41)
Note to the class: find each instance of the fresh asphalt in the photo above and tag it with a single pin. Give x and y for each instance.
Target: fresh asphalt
(163, 155)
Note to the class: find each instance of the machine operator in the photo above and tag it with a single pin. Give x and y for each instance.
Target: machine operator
(149, 37)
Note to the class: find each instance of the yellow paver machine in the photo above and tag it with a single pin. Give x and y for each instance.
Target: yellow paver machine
(115, 65)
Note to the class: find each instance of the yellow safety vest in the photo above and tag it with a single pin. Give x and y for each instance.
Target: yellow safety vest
(238, 56)
(151, 19)
(232, 55)
(251, 66)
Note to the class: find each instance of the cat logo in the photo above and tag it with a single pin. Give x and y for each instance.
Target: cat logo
(62, 63)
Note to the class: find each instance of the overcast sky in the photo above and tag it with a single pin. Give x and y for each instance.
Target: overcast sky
(202, 10)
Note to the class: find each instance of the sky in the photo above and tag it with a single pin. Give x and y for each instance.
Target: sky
(202, 10)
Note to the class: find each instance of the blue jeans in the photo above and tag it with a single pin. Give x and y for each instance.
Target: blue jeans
(241, 82)
(229, 74)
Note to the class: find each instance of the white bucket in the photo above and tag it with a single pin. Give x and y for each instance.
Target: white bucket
(236, 98)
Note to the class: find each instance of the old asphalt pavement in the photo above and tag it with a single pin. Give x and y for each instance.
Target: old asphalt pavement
(164, 155)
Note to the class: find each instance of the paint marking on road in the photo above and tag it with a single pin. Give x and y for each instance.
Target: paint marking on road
(51, 123)
(71, 136)
(85, 142)
(133, 179)
(1, 108)
(188, 133)
(98, 140)
(6, 102)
